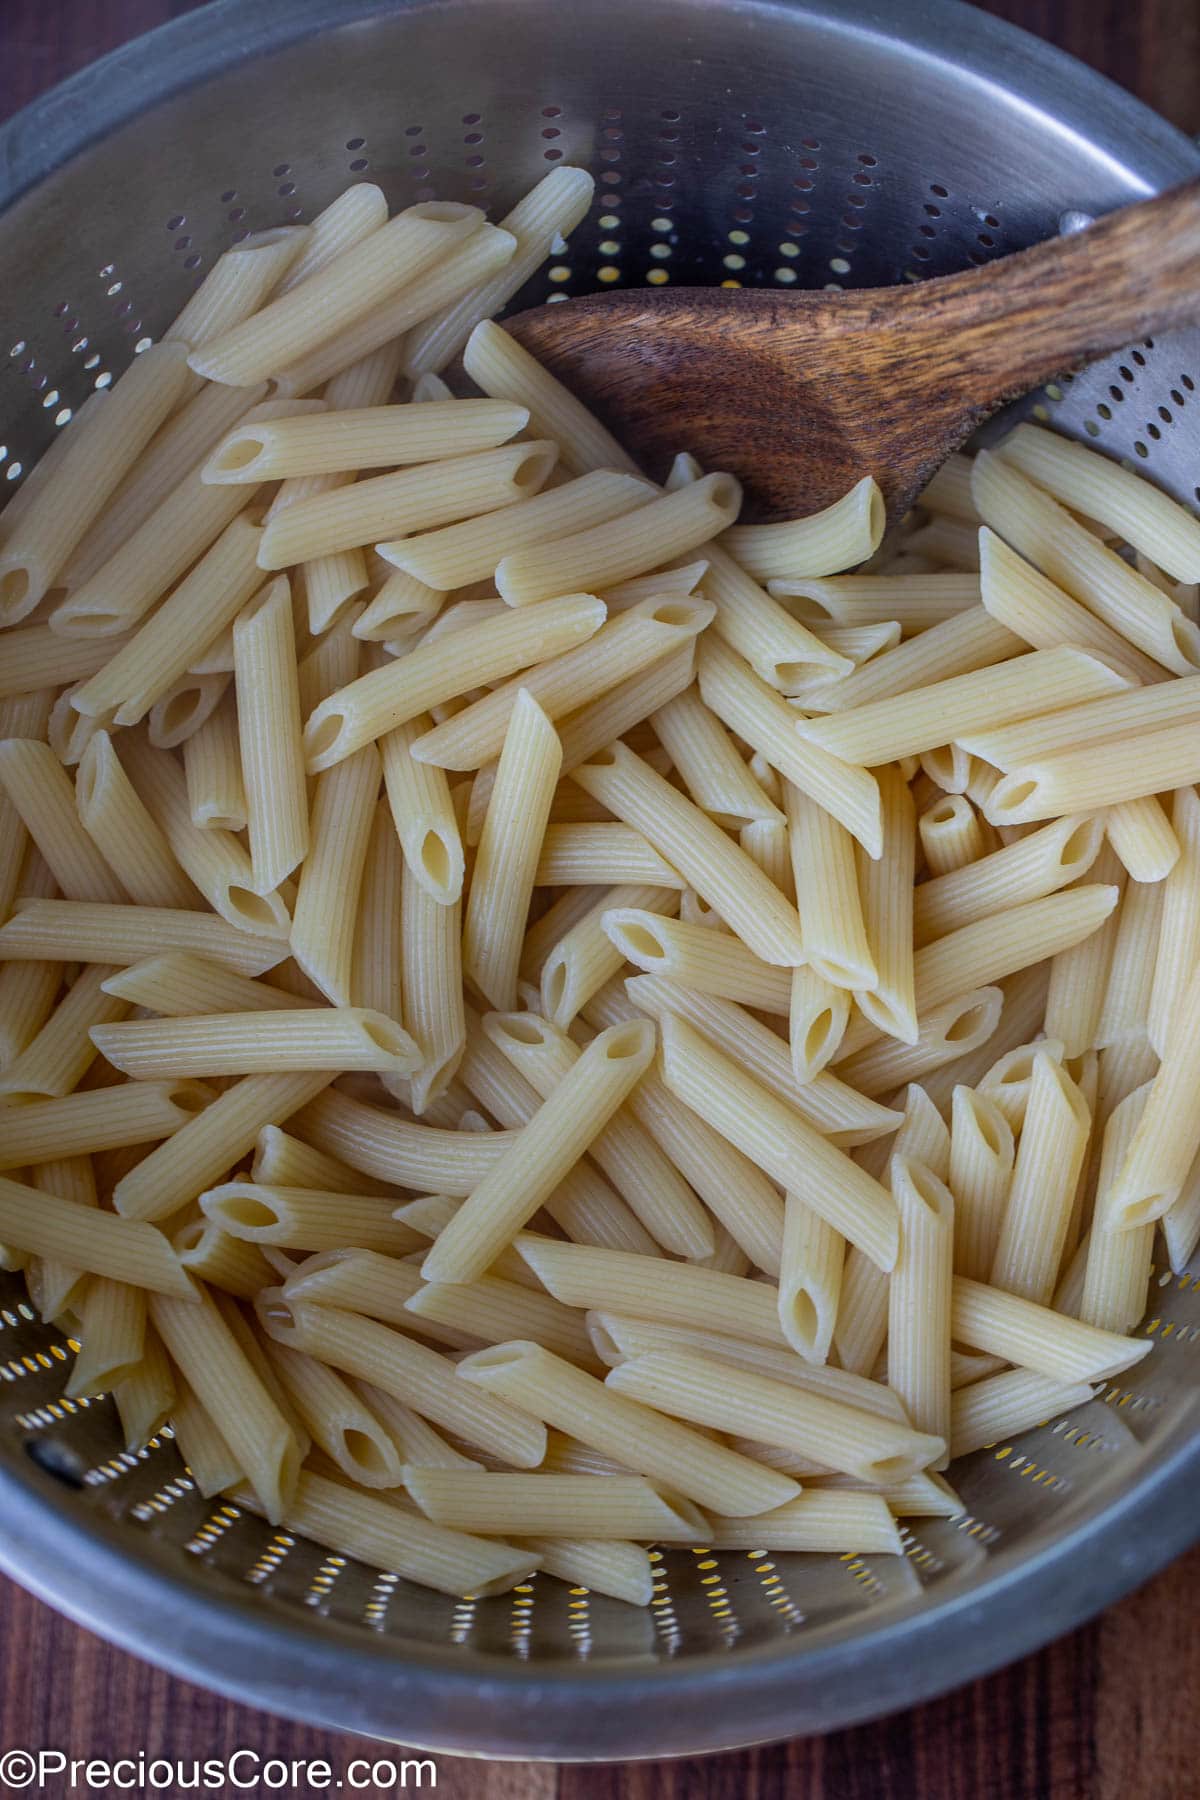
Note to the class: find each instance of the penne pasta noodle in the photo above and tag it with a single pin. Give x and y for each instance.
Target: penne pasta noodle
(779, 1139)
(952, 835)
(584, 855)
(423, 1158)
(818, 1520)
(919, 1296)
(1032, 1336)
(1070, 555)
(1024, 601)
(1126, 1004)
(162, 649)
(553, 1505)
(120, 935)
(1071, 781)
(945, 1033)
(818, 1014)
(214, 859)
(710, 961)
(981, 1165)
(423, 813)
(642, 1440)
(373, 1284)
(924, 717)
(304, 1218)
(967, 642)
(498, 365)
(541, 218)
(712, 770)
(492, 1310)
(377, 1532)
(340, 1422)
(561, 686)
(810, 1280)
(1141, 834)
(623, 1570)
(121, 1250)
(365, 437)
(209, 1143)
(916, 602)
(684, 1384)
(292, 325)
(358, 211)
(1002, 1406)
(39, 789)
(1178, 946)
(1116, 1280)
(228, 1386)
(631, 1159)
(1134, 509)
(112, 1325)
(509, 847)
(232, 1264)
(824, 543)
(212, 765)
(389, 696)
(184, 709)
(887, 899)
(259, 1042)
(145, 1397)
(239, 282)
(719, 871)
(1047, 1167)
(826, 878)
(840, 1113)
(584, 957)
(54, 1062)
(326, 908)
(663, 528)
(345, 517)
(96, 457)
(548, 1147)
(1042, 863)
(412, 1373)
(270, 735)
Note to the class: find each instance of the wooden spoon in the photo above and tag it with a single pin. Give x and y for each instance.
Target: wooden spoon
(801, 394)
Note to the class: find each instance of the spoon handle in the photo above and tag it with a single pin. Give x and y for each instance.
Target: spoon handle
(1019, 321)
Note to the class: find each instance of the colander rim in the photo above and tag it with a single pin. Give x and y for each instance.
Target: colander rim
(838, 1676)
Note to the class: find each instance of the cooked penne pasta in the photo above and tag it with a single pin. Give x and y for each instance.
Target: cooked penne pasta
(970, 640)
(709, 861)
(826, 879)
(1135, 509)
(640, 1439)
(1022, 599)
(509, 847)
(1141, 834)
(54, 1062)
(1047, 1167)
(919, 1296)
(711, 961)
(325, 913)
(232, 1264)
(96, 457)
(916, 602)
(549, 1146)
(749, 707)
(1039, 864)
(779, 1139)
(270, 735)
(630, 1158)
(1002, 1406)
(212, 765)
(87, 932)
(492, 1310)
(552, 1505)
(498, 365)
(686, 1385)
(1002, 1324)
(952, 835)
(1125, 1009)
(712, 770)
(79, 1124)
(365, 437)
(583, 855)
(437, 671)
(580, 960)
(258, 1043)
(885, 889)
(209, 1143)
(1069, 554)
(548, 213)
(423, 1158)
(1179, 933)
(39, 788)
(924, 717)
(121, 1250)
(944, 1033)
(561, 686)
(824, 543)
(411, 1372)
(981, 1164)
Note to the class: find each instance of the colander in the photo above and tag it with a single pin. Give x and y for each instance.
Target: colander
(756, 141)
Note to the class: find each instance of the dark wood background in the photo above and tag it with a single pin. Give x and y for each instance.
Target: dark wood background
(1109, 1713)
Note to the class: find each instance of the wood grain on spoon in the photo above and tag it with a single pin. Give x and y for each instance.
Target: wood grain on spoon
(801, 394)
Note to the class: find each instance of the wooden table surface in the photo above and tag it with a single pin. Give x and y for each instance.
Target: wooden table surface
(1109, 1713)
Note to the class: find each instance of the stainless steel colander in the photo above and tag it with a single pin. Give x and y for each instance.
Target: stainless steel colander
(758, 141)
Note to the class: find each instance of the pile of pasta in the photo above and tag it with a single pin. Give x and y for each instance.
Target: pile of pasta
(538, 1021)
